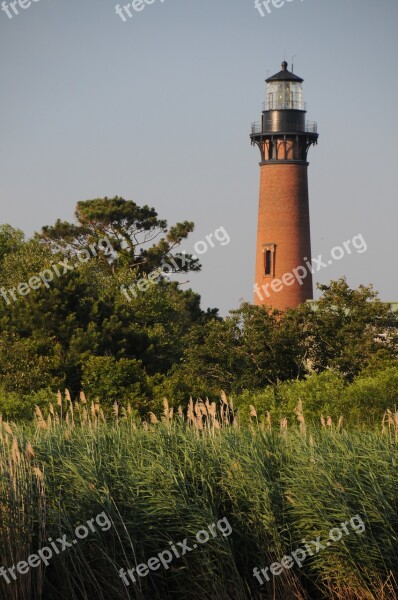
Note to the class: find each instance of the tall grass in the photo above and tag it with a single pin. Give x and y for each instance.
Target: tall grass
(163, 480)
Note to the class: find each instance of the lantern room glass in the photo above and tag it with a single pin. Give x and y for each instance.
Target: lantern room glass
(284, 95)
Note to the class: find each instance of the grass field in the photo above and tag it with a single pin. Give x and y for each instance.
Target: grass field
(162, 481)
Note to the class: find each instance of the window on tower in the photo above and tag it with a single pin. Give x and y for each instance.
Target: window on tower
(269, 259)
(268, 262)
(272, 150)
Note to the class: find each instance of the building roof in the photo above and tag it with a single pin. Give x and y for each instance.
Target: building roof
(284, 75)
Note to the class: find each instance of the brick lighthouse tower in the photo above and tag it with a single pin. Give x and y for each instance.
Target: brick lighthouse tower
(283, 236)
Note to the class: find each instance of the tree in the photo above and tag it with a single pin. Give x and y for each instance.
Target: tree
(28, 364)
(116, 381)
(140, 239)
(82, 314)
(253, 347)
(273, 344)
(210, 362)
(11, 240)
(348, 329)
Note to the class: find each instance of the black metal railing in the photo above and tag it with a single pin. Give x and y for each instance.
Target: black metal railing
(257, 127)
(311, 126)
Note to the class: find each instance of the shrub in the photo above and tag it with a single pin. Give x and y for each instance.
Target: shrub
(320, 394)
(263, 401)
(368, 397)
(122, 381)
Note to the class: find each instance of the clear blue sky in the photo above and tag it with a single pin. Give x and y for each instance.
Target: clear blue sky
(158, 110)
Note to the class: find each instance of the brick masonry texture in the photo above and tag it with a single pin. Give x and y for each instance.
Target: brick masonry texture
(283, 220)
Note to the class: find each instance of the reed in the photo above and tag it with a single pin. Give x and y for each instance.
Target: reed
(163, 479)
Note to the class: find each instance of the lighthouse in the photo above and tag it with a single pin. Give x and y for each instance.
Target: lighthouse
(283, 270)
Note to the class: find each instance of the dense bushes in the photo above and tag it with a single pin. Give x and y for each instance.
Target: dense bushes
(370, 396)
(362, 402)
(122, 381)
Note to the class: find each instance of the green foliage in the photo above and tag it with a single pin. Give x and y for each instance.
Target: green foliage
(346, 332)
(362, 402)
(28, 364)
(14, 406)
(26, 259)
(11, 240)
(82, 313)
(264, 401)
(162, 484)
(249, 349)
(322, 393)
(349, 327)
(140, 239)
(19, 407)
(122, 381)
(271, 344)
(369, 396)
(172, 347)
(210, 362)
(332, 478)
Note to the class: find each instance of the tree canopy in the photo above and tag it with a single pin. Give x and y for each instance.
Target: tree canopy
(139, 238)
(78, 330)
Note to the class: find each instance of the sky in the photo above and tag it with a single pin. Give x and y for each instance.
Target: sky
(157, 108)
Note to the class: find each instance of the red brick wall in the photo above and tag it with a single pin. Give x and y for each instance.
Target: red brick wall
(283, 220)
